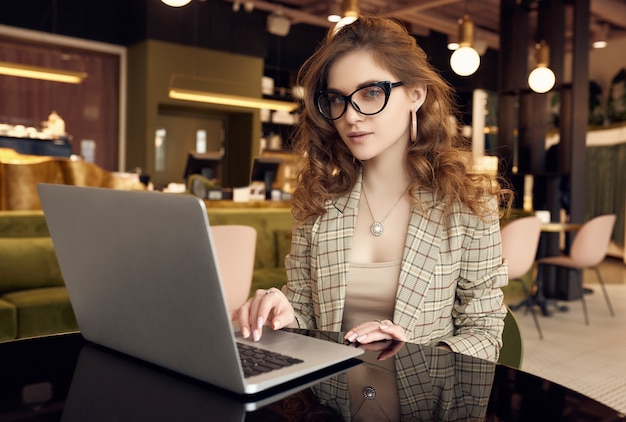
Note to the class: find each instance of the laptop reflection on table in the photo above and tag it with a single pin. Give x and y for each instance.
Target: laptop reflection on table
(110, 386)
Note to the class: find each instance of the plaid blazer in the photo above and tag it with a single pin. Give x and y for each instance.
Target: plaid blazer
(450, 279)
(432, 385)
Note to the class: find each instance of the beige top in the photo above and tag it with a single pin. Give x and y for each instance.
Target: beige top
(371, 292)
(371, 295)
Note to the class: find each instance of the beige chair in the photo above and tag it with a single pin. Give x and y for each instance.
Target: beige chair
(520, 240)
(235, 247)
(587, 251)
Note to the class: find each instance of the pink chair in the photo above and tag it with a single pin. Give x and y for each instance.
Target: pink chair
(587, 251)
(235, 247)
(520, 240)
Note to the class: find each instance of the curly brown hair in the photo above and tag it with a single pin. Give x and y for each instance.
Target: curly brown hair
(440, 159)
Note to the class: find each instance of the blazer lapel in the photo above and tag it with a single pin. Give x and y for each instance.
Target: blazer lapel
(421, 254)
(336, 230)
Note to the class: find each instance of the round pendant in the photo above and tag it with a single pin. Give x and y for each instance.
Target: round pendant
(376, 228)
(369, 393)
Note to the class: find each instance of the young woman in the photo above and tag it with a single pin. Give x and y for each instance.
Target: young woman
(395, 237)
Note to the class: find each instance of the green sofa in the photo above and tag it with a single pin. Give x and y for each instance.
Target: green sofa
(33, 298)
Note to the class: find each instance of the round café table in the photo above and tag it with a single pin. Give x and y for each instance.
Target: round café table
(560, 227)
(539, 297)
(64, 377)
(542, 299)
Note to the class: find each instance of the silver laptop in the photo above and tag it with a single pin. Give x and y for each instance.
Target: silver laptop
(143, 279)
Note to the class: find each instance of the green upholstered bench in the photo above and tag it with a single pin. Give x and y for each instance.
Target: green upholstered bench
(33, 298)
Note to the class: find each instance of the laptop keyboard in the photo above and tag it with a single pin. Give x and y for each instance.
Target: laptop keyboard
(257, 361)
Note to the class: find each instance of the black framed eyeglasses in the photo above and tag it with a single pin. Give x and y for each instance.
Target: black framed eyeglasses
(368, 100)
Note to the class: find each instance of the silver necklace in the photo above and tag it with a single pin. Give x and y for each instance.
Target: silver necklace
(377, 226)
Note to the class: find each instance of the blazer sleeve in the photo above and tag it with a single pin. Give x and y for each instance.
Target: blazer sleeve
(298, 265)
(478, 312)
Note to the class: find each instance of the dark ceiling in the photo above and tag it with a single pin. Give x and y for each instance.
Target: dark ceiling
(424, 16)
(209, 24)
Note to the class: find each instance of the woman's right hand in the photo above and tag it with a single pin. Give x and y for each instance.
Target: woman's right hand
(265, 308)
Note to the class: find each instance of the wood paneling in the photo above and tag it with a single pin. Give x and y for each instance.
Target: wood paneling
(90, 110)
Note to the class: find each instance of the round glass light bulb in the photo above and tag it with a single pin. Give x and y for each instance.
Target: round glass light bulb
(541, 79)
(464, 61)
(346, 20)
(176, 3)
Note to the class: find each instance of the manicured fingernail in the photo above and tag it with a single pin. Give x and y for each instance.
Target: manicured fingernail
(361, 338)
(276, 325)
(351, 337)
(256, 335)
(259, 322)
(245, 333)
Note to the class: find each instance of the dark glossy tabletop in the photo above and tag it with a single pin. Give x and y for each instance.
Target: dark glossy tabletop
(66, 378)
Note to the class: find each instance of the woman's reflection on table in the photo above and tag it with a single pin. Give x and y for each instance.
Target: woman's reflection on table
(417, 383)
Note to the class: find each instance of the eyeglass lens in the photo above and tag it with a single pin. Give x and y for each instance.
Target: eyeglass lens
(368, 100)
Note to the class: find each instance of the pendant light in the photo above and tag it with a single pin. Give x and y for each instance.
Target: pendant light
(465, 60)
(350, 14)
(542, 78)
(176, 3)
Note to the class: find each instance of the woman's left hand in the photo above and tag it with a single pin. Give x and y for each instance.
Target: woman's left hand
(372, 331)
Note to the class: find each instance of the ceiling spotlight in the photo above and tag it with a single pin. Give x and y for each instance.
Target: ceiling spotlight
(176, 3)
(334, 12)
(599, 44)
(601, 36)
(333, 18)
(465, 60)
(542, 78)
(278, 24)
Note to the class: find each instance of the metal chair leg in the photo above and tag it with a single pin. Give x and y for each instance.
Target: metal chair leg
(582, 297)
(606, 296)
(531, 306)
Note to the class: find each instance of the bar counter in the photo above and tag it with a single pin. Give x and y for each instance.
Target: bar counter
(55, 148)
